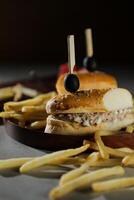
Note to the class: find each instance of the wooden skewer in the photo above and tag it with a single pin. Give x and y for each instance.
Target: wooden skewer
(89, 42)
(71, 53)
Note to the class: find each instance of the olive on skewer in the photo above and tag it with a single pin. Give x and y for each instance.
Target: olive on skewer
(89, 61)
(71, 81)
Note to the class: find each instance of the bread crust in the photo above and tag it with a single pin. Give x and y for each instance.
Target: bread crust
(56, 126)
(81, 101)
(89, 80)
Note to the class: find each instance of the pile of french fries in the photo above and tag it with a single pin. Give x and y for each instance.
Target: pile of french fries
(30, 113)
(89, 169)
(16, 92)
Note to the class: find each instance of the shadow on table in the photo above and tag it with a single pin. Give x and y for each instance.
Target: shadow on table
(9, 173)
(51, 172)
(123, 194)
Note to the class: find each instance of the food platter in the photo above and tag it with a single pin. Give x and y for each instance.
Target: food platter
(41, 140)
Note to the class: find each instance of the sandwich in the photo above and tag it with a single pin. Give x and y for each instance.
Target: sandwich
(88, 80)
(86, 112)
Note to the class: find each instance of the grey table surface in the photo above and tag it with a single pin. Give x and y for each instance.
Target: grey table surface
(14, 186)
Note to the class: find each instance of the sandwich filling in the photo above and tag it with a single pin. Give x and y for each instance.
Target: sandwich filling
(95, 118)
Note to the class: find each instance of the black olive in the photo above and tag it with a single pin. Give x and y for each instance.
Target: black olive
(90, 64)
(71, 83)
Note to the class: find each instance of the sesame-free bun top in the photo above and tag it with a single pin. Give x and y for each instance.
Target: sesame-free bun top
(90, 101)
(89, 80)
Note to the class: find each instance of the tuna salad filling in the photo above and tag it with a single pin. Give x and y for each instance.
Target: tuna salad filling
(94, 118)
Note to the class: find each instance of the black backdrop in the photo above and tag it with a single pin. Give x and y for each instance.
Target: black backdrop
(35, 31)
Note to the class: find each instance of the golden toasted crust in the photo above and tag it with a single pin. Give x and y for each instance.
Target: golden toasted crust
(56, 126)
(89, 80)
(81, 101)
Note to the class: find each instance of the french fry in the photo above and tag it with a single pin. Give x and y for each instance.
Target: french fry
(119, 183)
(13, 163)
(79, 171)
(11, 114)
(84, 181)
(29, 92)
(17, 106)
(101, 146)
(116, 152)
(112, 151)
(93, 145)
(106, 163)
(18, 162)
(130, 128)
(38, 124)
(51, 158)
(6, 93)
(70, 161)
(22, 118)
(128, 160)
(125, 149)
(32, 109)
(17, 89)
(77, 160)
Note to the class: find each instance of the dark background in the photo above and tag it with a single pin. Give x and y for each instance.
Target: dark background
(35, 31)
